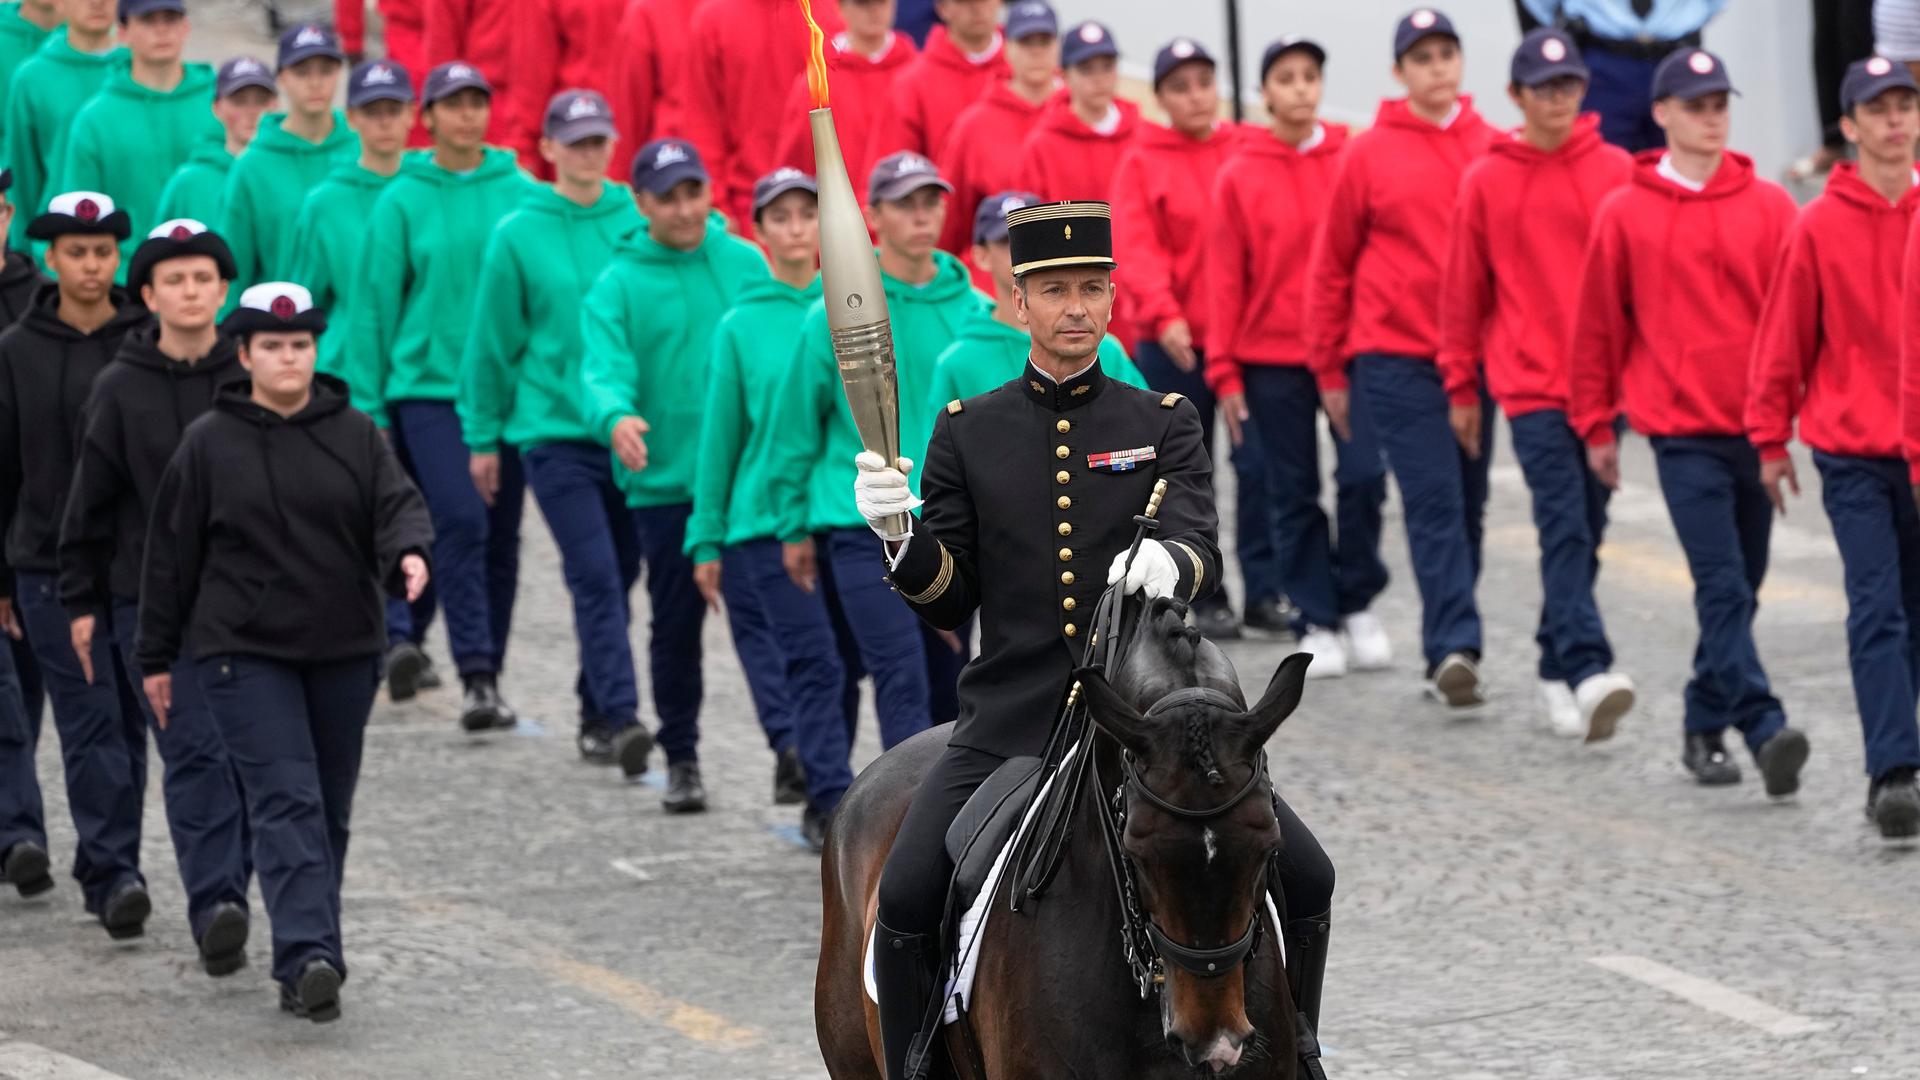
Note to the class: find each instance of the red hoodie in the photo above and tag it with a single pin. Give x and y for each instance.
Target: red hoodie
(1826, 349)
(746, 54)
(1374, 273)
(861, 88)
(930, 93)
(649, 100)
(1063, 158)
(1162, 201)
(1519, 234)
(1670, 300)
(982, 157)
(563, 45)
(1267, 203)
(481, 33)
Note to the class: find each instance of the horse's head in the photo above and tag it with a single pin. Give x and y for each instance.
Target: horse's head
(1199, 821)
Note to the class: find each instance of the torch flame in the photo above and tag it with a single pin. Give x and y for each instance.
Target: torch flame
(816, 58)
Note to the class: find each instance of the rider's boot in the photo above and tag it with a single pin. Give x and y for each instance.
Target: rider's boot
(1306, 971)
(903, 973)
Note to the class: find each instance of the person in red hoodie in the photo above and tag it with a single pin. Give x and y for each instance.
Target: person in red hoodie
(861, 65)
(1676, 268)
(561, 45)
(1268, 200)
(403, 25)
(479, 32)
(1373, 316)
(962, 58)
(1519, 231)
(1086, 128)
(981, 153)
(745, 56)
(1827, 354)
(650, 87)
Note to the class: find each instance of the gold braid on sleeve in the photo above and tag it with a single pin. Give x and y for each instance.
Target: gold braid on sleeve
(1199, 568)
(940, 580)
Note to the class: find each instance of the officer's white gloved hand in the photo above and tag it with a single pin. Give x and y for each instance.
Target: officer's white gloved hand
(1153, 573)
(881, 492)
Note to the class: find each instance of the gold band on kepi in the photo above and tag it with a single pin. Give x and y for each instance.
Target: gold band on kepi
(1058, 235)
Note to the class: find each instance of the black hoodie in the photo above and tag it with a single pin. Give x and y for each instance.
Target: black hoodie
(19, 280)
(130, 426)
(276, 534)
(46, 369)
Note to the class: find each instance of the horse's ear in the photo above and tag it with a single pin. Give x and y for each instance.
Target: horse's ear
(1282, 697)
(1114, 714)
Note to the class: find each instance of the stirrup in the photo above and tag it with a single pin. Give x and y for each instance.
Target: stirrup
(1309, 1047)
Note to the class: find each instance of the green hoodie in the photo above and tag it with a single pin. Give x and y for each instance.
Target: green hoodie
(46, 91)
(648, 325)
(419, 265)
(129, 139)
(265, 188)
(520, 375)
(990, 353)
(19, 39)
(324, 251)
(814, 463)
(194, 189)
(732, 490)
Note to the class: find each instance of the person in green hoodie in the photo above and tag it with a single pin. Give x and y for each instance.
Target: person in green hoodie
(519, 388)
(45, 93)
(992, 350)
(145, 121)
(243, 91)
(292, 152)
(25, 25)
(648, 327)
(413, 305)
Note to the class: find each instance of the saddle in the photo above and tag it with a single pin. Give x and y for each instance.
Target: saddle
(985, 824)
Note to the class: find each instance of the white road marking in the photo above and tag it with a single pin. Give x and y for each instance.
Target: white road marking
(1710, 995)
(627, 867)
(25, 1061)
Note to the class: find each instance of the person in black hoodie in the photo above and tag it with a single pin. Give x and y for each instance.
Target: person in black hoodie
(70, 332)
(20, 278)
(279, 520)
(163, 379)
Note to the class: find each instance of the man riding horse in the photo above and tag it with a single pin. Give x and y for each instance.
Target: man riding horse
(1029, 490)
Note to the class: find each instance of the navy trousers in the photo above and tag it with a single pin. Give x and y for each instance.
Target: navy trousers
(757, 641)
(600, 560)
(1877, 527)
(22, 816)
(1328, 574)
(1442, 491)
(885, 630)
(295, 732)
(810, 667)
(1725, 521)
(410, 622)
(33, 690)
(1570, 515)
(205, 810)
(1621, 91)
(103, 740)
(851, 664)
(476, 548)
(673, 634)
(1256, 527)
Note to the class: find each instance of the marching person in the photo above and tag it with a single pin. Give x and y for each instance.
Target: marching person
(48, 361)
(45, 92)
(1256, 365)
(24, 27)
(647, 327)
(1676, 268)
(650, 95)
(861, 64)
(165, 375)
(561, 45)
(964, 55)
(278, 521)
(1074, 149)
(1373, 284)
(413, 300)
(1827, 355)
(981, 153)
(480, 33)
(1625, 40)
(517, 389)
(243, 91)
(20, 276)
(1506, 302)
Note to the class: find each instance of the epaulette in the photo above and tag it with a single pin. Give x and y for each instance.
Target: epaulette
(1170, 400)
(954, 407)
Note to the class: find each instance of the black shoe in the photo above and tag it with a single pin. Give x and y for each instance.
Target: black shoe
(685, 793)
(126, 910)
(483, 710)
(223, 944)
(406, 662)
(1893, 803)
(1780, 759)
(429, 676)
(813, 830)
(789, 779)
(1273, 616)
(631, 747)
(24, 866)
(315, 995)
(595, 742)
(1706, 758)
(904, 970)
(1216, 622)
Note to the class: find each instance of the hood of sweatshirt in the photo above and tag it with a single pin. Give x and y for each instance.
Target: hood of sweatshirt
(211, 150)
(1734, 176)
(44, 315)
(57, 50)
(1845, 184)
(941, 50)
(14, 26)
(235, 398)
(640, 247)
(950, 279)
(1396, 113)
(16, 267)
(195, 82)
(1584, 141)
(614, 201)
(142, 352)
(272, 138)
(1332, 142)
(1226, 137)
(899, 54)
(1060, 117)
(350, 174)
(774, 291)
(1000, 96)
(494, 163)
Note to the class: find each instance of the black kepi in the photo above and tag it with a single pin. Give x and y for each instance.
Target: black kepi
(1057, 235)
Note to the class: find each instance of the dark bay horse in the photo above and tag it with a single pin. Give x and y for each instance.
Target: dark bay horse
(1054, 996)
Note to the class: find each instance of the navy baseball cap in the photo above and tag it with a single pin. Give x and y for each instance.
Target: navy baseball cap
(897, 176)
(777, 183)
(452, 77)
(1868, 79)
(664, 163)
(1690, 74)
(1547, 54)
(1418, 25)
(990, 221)
(378, 80)
(306, 41)
(1030, 17)
(573, 115)
(241, 72)
(1290, 44)
(1085, 42)
(133, 9)
(1176, 52)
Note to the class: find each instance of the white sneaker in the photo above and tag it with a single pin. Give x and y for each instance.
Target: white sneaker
(1603, 699)
(1367, 642)
(1456, 682)
(1329, 655)
(1563, 715)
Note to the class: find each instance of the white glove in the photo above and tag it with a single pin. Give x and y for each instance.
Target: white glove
(881, 492)
(1153, 570)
